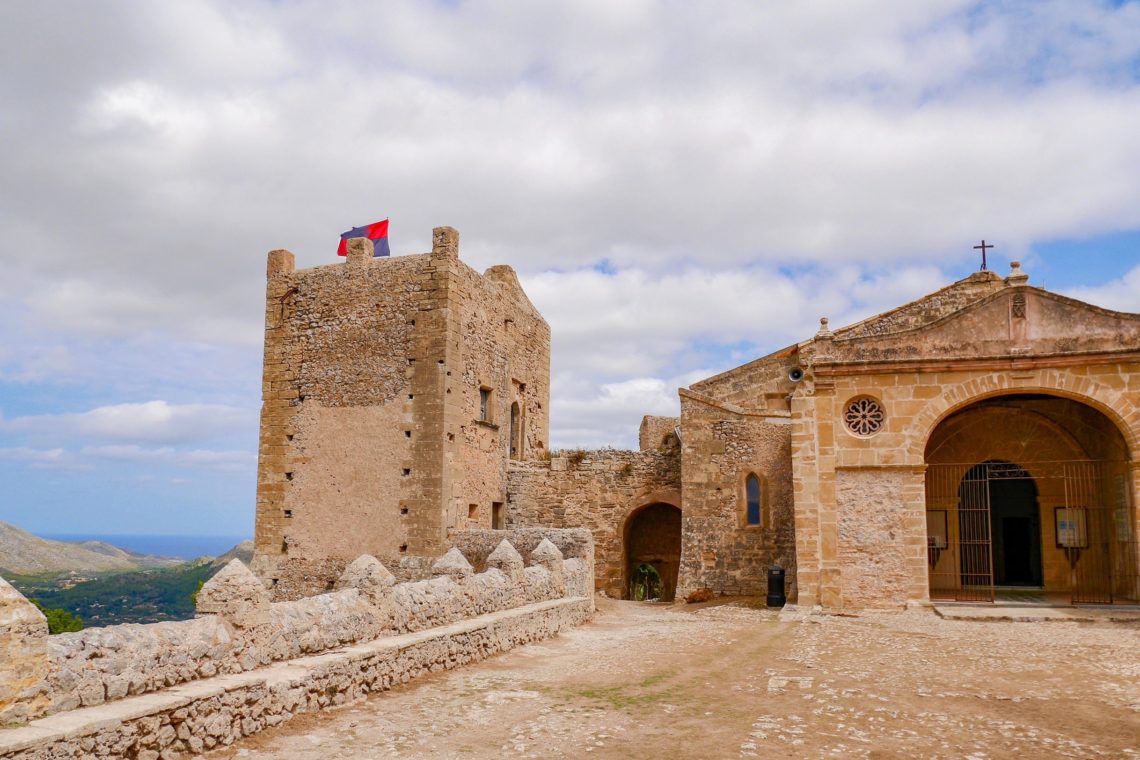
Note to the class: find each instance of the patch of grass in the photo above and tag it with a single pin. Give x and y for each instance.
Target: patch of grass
(656, 679)
(627, 696)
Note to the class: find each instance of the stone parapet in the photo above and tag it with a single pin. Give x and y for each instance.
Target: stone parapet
(215, 712)
(239, 630)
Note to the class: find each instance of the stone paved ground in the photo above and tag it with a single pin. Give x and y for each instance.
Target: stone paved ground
(728, 681)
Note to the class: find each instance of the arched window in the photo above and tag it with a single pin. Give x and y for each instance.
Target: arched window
(753, 500)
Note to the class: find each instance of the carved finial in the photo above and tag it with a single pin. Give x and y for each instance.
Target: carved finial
(1016, 276)
(824, 330)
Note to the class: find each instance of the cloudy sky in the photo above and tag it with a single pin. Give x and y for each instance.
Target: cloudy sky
(682, 186)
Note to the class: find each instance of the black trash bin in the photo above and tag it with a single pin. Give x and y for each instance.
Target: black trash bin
(776, 596)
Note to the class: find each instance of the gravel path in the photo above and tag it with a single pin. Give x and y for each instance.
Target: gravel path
(728, 681)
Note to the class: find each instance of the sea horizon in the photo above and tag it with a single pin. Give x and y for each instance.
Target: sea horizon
(159, 544)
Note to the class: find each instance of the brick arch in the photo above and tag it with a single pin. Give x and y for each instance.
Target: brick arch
(1111, 403)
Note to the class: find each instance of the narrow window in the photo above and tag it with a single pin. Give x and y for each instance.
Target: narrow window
(516, 431)
(498, 519)
(485, 404)
(752, 494)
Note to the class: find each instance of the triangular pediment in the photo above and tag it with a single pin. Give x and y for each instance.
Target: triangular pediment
(1017, 321)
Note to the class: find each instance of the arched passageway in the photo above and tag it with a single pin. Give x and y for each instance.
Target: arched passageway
(1029, 491)
(652, 550)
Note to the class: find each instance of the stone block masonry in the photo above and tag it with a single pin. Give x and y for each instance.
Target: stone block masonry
(172, 688)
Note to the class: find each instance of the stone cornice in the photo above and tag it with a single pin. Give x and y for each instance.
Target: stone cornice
(824, 368)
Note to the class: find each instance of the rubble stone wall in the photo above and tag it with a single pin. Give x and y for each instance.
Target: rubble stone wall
(599, 490)
(395, 391)
(720, 551)
(197, 717)
(246, 631)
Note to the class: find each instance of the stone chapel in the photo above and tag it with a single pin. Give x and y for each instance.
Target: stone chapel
(980, 442)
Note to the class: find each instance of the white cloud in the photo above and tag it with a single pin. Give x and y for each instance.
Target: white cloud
(1121, 295)
(24, 454)
(744, 167)
(220, 460)
(150, 421)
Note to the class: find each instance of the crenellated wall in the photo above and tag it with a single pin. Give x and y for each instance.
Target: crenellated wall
(240, 631)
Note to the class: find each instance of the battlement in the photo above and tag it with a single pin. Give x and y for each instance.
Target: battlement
(155, 688)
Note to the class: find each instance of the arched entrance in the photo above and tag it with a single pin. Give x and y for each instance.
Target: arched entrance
(1030, 492)
(652, 552)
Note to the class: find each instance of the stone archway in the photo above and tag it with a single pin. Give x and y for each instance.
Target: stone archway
(652, 536)
(1008, 478)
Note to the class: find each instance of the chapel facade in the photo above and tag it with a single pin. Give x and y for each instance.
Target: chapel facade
(980, 441)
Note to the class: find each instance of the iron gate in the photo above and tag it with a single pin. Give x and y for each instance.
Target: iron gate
(1042, 527)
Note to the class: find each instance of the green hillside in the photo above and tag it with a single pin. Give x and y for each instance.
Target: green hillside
(144, 596)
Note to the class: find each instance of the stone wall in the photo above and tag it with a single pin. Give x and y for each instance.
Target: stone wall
(599, 490)
(374, 435)
(658, 433)
(721, 446)
(197, 717)
(239, 629)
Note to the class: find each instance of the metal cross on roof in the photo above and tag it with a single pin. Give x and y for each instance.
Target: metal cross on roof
(983, 247)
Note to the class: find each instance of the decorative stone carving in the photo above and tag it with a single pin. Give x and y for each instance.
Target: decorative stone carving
(864, 416)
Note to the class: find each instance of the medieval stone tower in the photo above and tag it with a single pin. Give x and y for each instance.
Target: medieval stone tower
(395, 392)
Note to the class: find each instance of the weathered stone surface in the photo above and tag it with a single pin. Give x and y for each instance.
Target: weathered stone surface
(369, 576)
(506, 558)
(395, 391)
(546, 553)
(452, 564)
(100, 665)
(235, 594)
(208, 718)
(23, 657)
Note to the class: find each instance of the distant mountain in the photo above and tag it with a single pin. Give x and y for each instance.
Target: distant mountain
(243, 551)
(23, 553)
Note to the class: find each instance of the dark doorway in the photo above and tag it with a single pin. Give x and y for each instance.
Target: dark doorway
(999, 526)
(1016, 524)
(653, 553)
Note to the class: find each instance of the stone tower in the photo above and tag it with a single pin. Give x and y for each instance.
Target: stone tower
(395, 392)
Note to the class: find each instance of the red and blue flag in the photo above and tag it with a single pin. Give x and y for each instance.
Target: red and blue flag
(376, 232)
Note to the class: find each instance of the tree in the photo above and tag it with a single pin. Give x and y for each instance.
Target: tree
(59, 620)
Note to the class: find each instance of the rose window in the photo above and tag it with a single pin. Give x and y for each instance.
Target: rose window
(864, 416)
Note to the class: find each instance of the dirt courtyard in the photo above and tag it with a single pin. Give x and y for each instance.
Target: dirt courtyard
(647, 681)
